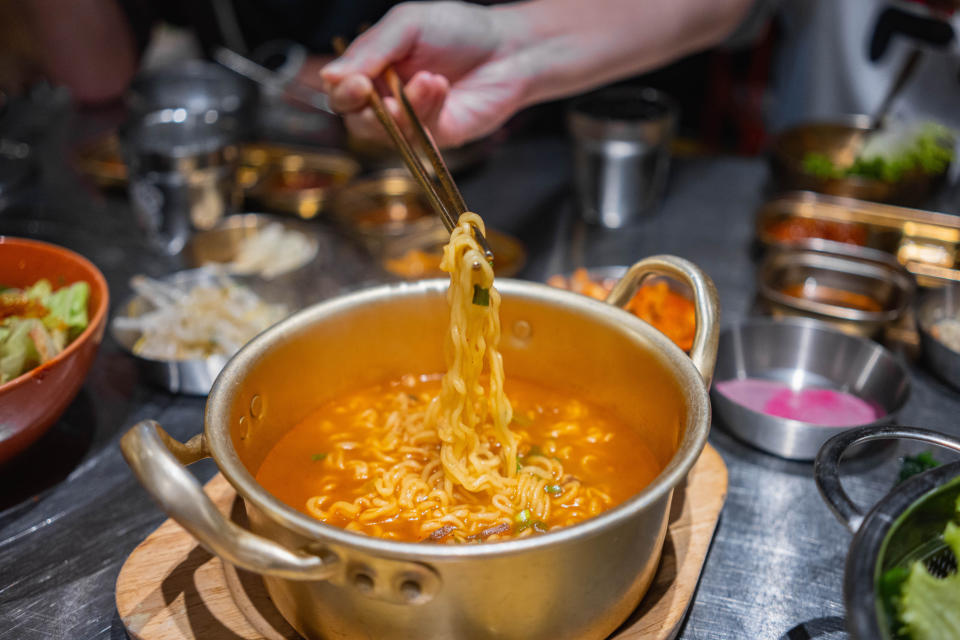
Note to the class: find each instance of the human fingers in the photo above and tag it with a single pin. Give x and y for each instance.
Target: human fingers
(366, 125)
(389, 40)
(352, 94)
(426, 93)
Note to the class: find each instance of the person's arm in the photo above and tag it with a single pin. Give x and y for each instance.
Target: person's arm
(85, 45)
(470, 68)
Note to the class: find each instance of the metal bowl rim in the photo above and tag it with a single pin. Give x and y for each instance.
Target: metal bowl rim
(826, 327)
(853, 122)
(864, 551)
(689, 380)
(800, 257)
(260, 220)
(196, 274)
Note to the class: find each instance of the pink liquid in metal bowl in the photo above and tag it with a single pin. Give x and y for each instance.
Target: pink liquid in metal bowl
(824, 407)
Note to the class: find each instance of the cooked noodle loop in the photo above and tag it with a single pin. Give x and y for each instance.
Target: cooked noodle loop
(407, 462)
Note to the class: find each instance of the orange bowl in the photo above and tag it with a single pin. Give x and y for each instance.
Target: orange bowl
(31, 403)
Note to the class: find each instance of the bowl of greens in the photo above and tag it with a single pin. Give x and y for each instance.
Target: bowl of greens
(53, 308)
(900, 580)
(901, 163)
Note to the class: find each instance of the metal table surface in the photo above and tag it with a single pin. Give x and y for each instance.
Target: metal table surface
(71, 512)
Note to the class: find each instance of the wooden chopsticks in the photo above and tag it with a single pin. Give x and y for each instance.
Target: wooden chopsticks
(447, 201)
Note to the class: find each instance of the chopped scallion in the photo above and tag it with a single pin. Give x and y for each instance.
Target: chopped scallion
(481, 296)
(553, 489)
(523, 519)
(318, 456)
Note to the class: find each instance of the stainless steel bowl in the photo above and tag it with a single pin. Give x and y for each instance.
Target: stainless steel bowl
(385, 208)
(803, 353)
(890, 286)
(200, 87)
(294, 180)
(841, 140)
(937, 305)
(221, 244)
(191, 377)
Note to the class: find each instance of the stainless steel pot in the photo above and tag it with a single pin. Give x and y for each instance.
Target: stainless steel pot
(579, 582)
(906, 525)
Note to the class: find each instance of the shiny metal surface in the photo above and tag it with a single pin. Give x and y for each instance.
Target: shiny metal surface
(271, 174)
(622, 139)
(150, 452)
(192, 377)
(222, 244)
(888, 286)
(803, 352)
(915, 511)
(841, 141)
(396, 193)
(379, 333)
(775, 567)
(200, 87)
(181, 171)
(926, 243)
(703, 353)
(934, 306)
(273, 81)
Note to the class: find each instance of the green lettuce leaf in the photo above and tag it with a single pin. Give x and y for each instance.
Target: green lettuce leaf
(929, 607)
(18, 353)
(68, 309)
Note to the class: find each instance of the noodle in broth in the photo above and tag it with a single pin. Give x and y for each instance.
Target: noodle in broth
(446, 460)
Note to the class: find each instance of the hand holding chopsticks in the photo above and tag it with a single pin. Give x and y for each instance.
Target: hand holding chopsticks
(445, 197)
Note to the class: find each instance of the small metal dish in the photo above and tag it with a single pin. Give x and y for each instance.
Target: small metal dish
(221, 244)
(803, 353)
(887, 285)
(935, 306)
(384, 208)
(841, 140)
(190, 377)
(417, 256)
(293, 180)
(201, 88)
(926, 243)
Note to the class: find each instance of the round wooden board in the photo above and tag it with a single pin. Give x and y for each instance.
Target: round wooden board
(170, 588)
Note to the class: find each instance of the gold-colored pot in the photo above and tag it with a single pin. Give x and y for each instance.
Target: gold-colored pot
(579, 582)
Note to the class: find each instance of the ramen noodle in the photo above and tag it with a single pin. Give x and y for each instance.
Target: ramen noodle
(450, 459)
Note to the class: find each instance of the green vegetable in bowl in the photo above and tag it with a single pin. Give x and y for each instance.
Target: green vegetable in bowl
(928, 607)
(37, 323)
(889, 155)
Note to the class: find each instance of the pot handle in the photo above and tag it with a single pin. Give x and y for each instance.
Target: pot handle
(826, 467)
(707, 304)
(157, 460)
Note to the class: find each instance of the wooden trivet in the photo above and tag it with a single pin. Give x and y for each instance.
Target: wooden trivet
(170, 588)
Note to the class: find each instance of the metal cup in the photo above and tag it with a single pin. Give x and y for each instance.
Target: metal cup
(182, 173)
(621, 152)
